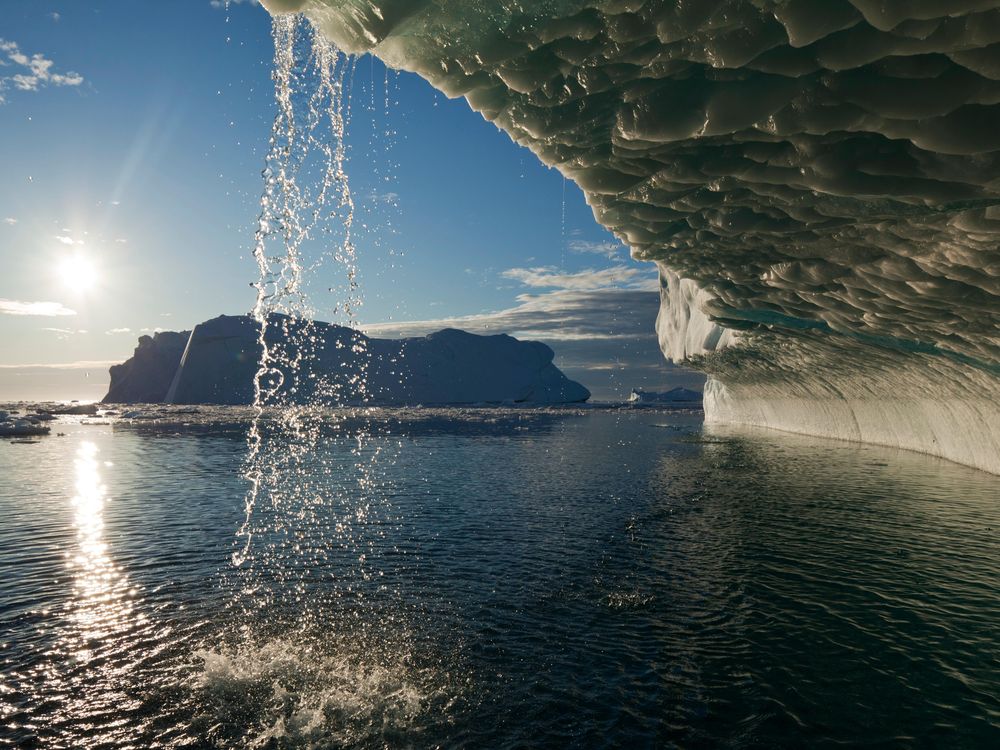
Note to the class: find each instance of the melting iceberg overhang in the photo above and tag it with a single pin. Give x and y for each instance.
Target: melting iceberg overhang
(819, 183)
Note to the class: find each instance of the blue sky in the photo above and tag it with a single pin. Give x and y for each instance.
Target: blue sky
(134, 135)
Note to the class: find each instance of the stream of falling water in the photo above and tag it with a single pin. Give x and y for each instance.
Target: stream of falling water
(306, 196)
(321, 645)
(295, 518)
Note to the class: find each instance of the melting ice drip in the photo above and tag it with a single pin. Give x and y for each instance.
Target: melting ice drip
(305, 226)
(321, 649)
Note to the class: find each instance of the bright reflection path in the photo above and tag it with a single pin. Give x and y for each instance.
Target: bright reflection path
(95, 636)
(102, 598)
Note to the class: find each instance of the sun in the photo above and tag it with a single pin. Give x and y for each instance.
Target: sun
(78, 273)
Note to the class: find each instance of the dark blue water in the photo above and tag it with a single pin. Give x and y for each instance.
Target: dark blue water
(517, 579)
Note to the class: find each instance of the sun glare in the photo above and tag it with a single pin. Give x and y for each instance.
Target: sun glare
(78, 273)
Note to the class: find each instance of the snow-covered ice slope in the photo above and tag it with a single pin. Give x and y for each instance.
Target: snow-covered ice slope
(818, 182)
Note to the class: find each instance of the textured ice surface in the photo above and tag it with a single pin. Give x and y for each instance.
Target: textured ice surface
(820, 178)
(325, 363)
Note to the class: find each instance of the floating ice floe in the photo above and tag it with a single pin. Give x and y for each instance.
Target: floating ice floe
(75, 408)
(21, 427)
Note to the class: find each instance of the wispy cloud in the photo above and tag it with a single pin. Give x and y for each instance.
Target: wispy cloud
(608, 248)
(67, 240)
(548, 277)
(603, 303)
(391, 198)
(115, 331)
(64, 333)
(33, 72)
(228, 3)
(10, 221)
(85, 364)
(39, 309)
(564, 314)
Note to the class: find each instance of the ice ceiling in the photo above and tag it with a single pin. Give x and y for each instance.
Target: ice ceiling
(819, 181)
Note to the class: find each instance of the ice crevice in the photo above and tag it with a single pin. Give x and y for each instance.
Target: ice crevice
(819, 184)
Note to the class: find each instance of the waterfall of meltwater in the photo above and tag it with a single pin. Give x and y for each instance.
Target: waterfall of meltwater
(303, 235)
(320, 648)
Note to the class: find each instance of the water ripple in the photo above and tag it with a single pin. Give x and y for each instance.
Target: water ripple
(591, 581)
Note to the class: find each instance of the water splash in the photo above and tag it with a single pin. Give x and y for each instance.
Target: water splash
(334, 694)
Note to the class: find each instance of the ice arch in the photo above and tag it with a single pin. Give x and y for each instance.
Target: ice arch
(817, 181)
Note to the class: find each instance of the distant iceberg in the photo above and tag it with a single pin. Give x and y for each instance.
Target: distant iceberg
(217, 361)
(673, 396)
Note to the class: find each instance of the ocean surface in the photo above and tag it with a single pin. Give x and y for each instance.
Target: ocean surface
(493, 578)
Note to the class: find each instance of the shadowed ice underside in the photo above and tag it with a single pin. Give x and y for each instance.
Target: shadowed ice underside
(816, 184)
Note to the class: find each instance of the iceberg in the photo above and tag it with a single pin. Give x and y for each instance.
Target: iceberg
(145, 378)
(328, 364)
(817, 183)
(677, 395)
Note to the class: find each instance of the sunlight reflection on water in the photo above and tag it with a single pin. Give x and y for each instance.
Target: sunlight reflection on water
(598, 580)
(102, 596)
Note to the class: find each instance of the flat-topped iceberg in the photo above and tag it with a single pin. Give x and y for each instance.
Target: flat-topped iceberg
(817, 182)
(323, 363)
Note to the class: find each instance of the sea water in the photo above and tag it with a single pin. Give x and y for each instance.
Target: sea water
(506, 578)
